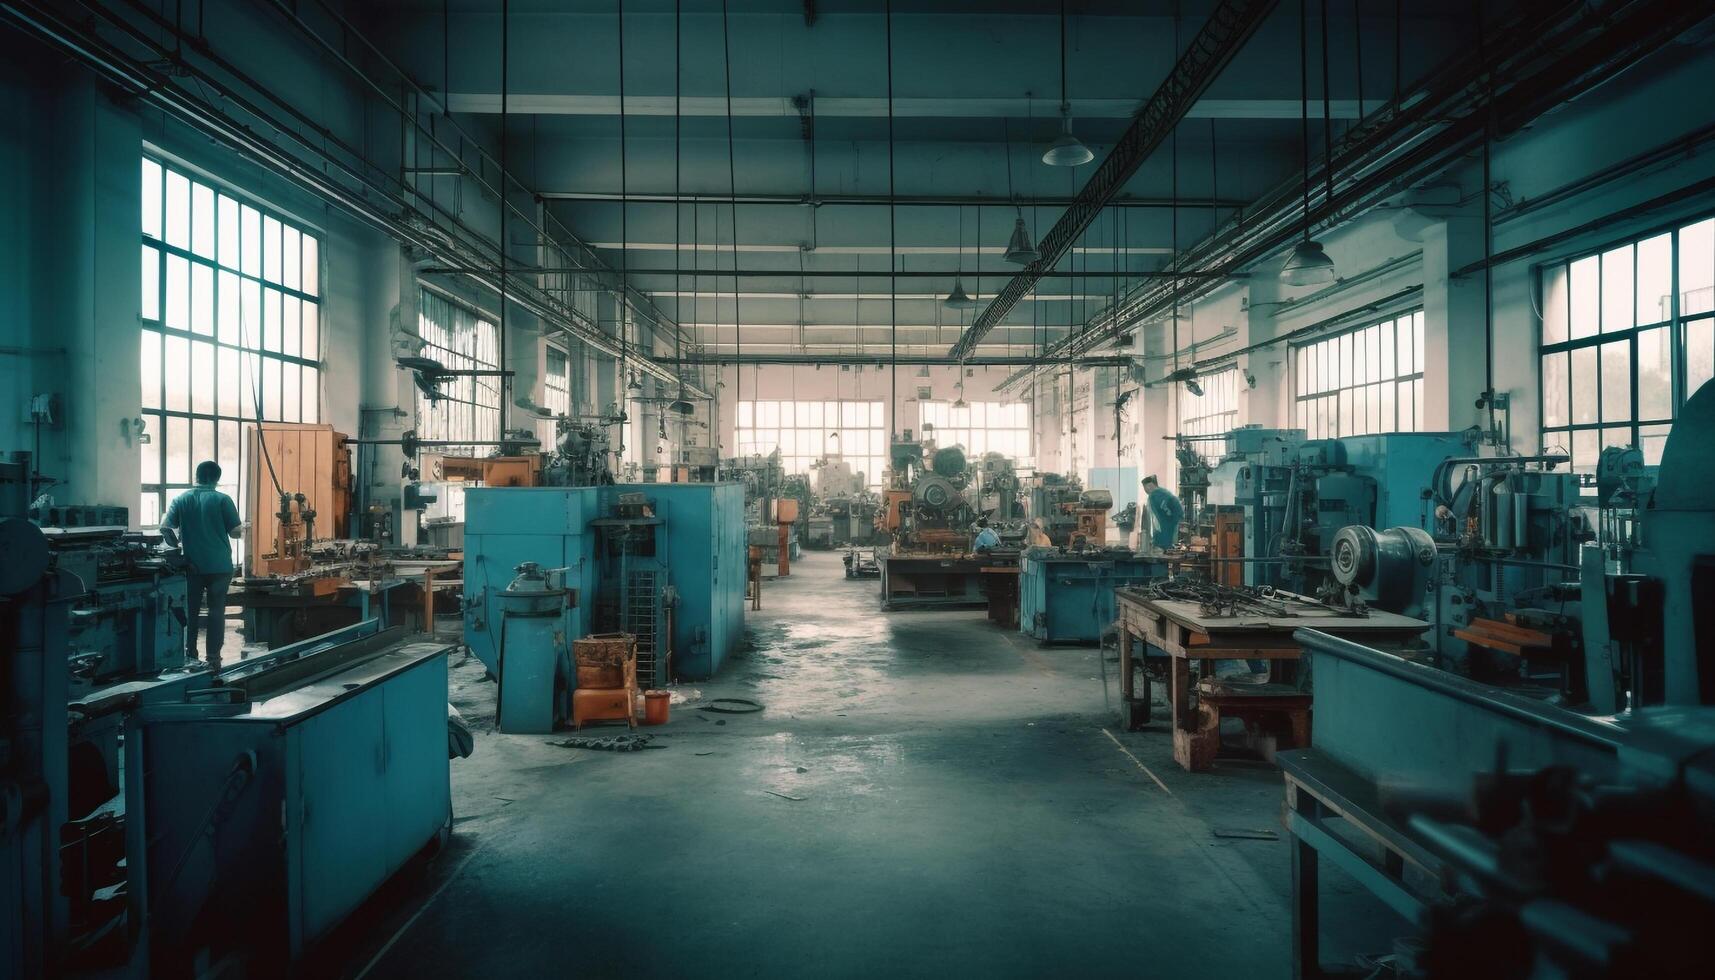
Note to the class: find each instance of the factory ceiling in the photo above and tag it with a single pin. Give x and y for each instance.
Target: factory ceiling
(759, 139)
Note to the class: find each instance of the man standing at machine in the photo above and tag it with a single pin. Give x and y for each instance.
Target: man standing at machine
(200, 521)
(1165, 512)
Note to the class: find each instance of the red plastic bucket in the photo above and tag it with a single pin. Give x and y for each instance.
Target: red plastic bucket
(655, 705)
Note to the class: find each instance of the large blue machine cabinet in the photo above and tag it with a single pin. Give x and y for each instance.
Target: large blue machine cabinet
(704, 532)
(700, 547)
(508, 526)
(263, 824)
(1069, 598)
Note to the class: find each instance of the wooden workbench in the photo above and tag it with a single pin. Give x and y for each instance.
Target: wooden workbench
(1180, 629)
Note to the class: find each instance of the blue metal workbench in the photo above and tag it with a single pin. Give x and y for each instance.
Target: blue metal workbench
(1066, 597)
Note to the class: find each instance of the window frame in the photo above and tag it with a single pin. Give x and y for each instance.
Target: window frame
(1025, 430)
(1325, 372)
(1221, 386)
(1677, 324)
(440, 421)
(871, 463)
(253, 360)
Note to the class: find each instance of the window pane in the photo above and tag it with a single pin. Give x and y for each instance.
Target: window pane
(291, 330)
(202, 377)
(1585, 296)
(202, 298)
(178, 449)
(1417, 348)
(152, 451)
(227, 375)
(226, 453)
(1554, 390)
(250, 314)
(1406, 396)
(313, 335)
(1655, 375)
(312, 395)
(1618, 303)
(178, 293)
(150, 374)
(228, 231)
(271, 320)
(176, 367)
(1697, 268)
(202, 220)
(1586, 448)
(291, 391)
(149, 509)
(1616, 382)
(1407, 349)
(271, 390)
(1389, 409)
(1652, 439)
(250, 225)
(312, 271)
(1655, 279)
(1699, 354)
(227, 315)
(202, 442)
(291, 257)
(249, 378)
(270, 248)
(150, 307)
(1584, 380)
(1554, 304)
(178, 210)
(151, 198)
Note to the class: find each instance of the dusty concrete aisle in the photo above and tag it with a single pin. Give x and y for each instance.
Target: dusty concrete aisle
(949, 804)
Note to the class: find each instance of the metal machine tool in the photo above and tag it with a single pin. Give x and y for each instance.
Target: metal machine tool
(1293, 495)
(927, 512)
(1510, 531)
(662, 556)
(1591, 849)
(198, 847)
(999, 492)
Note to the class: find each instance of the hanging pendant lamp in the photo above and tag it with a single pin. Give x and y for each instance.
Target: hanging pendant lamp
(958, 299)
(1019, 251)
(1066, 150)
(1309, 264)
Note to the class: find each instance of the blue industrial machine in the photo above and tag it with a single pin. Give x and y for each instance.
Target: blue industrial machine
(247, 815)
(534, 662)
(1068, 596)
(1295, 494)
(663, 561)
(1592, 796)
(272, 806)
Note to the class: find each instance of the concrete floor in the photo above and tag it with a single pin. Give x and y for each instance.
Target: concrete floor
(925, 795)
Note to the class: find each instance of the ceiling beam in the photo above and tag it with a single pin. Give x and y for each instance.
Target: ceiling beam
(1229, 26)
(883, 359)
(884, 274)
(867, 107)
(880, 200)
(777, 248)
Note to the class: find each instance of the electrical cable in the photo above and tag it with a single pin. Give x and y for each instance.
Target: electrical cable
(892, 236)
(732, 196)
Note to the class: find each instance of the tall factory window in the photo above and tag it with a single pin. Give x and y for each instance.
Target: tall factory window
(556, 392)
(1368, 379)
(806, 431)
(1612, 374)
(980, 427)
(1213, 413)
(231, 328)
(469, 407)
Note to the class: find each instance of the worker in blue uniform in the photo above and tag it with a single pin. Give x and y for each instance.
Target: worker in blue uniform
(200, 522)
(987, 540)
(1166, 512)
